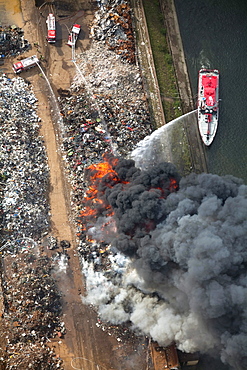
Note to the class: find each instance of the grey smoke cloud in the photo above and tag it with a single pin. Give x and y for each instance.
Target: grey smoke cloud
(186, 279)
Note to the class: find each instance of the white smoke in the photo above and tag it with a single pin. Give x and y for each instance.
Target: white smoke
(187, 282)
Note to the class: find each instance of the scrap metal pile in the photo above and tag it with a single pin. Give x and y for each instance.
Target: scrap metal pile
(12, 41)
(31, 301)
(105, 111)
(113, 26)
(32, 308)
(23, 163)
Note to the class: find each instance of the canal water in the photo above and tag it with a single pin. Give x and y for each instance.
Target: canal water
(214, 34)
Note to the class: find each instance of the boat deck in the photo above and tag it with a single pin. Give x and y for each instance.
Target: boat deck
(208, 97)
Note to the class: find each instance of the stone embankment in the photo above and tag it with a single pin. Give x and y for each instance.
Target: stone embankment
(197, 151)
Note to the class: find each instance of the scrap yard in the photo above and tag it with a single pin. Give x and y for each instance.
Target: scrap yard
(118, 250)
(44, 323)
(81, 104)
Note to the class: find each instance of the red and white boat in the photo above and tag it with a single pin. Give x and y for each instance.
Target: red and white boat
(208, 104)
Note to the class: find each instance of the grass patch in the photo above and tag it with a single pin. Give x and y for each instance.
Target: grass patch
(162, 60)
(180, 150)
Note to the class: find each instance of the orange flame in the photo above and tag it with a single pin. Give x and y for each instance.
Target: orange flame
(101, 176)
(97, 174)
(173, 185)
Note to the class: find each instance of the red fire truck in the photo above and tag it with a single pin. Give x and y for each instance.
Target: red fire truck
(25, 64)
(74, 33)
(51, 27)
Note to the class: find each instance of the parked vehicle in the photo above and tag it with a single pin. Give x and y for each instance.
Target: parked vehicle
(74, 33)
(51, 27)
(25, 64)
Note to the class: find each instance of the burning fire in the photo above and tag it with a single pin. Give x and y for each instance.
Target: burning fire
(173, 185)
(102, 178)
(99, 176)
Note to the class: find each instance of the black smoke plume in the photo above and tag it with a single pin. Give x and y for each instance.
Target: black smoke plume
(187, 240)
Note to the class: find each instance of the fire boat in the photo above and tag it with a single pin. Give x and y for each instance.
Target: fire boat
(208, 104)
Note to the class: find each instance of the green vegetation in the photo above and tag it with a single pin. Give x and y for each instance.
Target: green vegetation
(180, 150)
(178, 140)
(162, 60)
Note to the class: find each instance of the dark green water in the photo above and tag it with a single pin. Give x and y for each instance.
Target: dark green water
(214, 34)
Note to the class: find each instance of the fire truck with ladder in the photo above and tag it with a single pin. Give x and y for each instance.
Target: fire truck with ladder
(51, 27)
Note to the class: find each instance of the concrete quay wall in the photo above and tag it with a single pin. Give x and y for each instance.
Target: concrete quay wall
(196, 147)
(145, 57)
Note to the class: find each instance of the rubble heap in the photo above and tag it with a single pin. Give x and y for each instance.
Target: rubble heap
(105, 110)
(31, 300)
(113, 26)
(12, 41)
(2, 180)
(23, 163)
(32, 308)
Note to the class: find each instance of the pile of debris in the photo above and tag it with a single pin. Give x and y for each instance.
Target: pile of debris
(106, 110)
(23, 163)
(31, 300)
(113, 26)
(32, 308)
(2, 184)
(12, 41)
